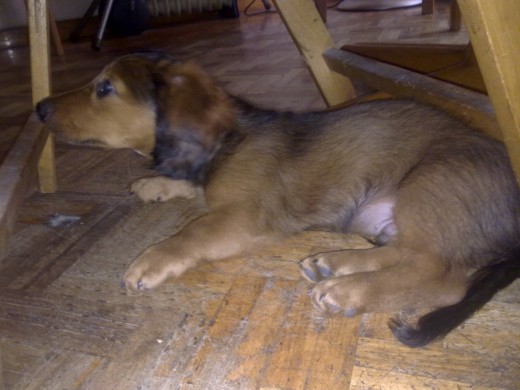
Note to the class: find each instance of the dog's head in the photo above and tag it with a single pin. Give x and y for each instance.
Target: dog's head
(115, 110)
(148, 102)
(193, 116)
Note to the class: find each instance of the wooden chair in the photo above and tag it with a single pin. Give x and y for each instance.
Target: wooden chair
(454, 63)
(428, 7)
(33, 152)
(494, 38)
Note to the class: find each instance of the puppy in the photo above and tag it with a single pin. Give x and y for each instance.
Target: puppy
(439, 199)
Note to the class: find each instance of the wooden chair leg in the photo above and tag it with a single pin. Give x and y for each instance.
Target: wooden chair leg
(312, 38)
(41, 86)
(495, 36)
(321, 5)
(19, 167)
(428, 6)
(455, 17)
(56, 39)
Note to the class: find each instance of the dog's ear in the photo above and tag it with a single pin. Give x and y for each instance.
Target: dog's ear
(193, 116)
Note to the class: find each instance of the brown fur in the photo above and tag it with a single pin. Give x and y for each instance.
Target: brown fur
(440, 198)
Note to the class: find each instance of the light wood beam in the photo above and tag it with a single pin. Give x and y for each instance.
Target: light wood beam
(312, 38)
(54, 31)
(452, 63)
(33, 150)
(17, 172)
(495, 36)
(472, 107)
(40, 79)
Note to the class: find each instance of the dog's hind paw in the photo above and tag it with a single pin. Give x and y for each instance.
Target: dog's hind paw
(161, 189)
(330, 296)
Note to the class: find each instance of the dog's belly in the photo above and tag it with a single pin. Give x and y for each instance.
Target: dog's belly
(375, 219)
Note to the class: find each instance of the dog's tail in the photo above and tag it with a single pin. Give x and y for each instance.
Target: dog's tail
(483, 285)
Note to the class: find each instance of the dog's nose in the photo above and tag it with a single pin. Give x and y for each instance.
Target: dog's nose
(44, 110)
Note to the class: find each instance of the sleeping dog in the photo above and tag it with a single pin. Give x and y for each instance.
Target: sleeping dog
(439, 199)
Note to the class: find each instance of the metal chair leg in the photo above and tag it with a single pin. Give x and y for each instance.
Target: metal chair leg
(96, 45)
(74, 36)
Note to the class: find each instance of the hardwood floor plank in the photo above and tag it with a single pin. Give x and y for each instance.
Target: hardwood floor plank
(314, 351)
(384, 362)
(216, 357)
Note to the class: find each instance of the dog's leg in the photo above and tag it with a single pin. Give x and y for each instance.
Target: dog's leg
(161, 189)
(409, 284)
(214, 236)
(349, 261)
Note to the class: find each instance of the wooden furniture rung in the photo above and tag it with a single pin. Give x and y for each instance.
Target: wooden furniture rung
(472, 107)
(17, 172)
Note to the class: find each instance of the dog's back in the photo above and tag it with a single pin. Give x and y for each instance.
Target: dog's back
(318, 164)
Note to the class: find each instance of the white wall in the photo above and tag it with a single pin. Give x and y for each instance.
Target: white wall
(13, 14)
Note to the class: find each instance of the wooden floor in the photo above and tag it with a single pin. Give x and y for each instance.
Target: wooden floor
(245, 323)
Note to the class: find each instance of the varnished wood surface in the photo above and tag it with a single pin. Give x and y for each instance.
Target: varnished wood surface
(471, 107)
(245, 323)
(34, 150)
(497, 51)
(17, 174)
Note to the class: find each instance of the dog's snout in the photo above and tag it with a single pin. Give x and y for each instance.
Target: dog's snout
(44, 110)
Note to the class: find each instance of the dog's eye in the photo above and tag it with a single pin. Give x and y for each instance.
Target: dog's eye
(104, 88)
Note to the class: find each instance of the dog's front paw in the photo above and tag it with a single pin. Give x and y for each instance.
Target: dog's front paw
(161, 189)
(334, 296)
(152, 268)
(315, 268)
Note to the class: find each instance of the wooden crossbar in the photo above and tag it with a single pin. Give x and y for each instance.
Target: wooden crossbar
(472, 107)
(17, 172)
